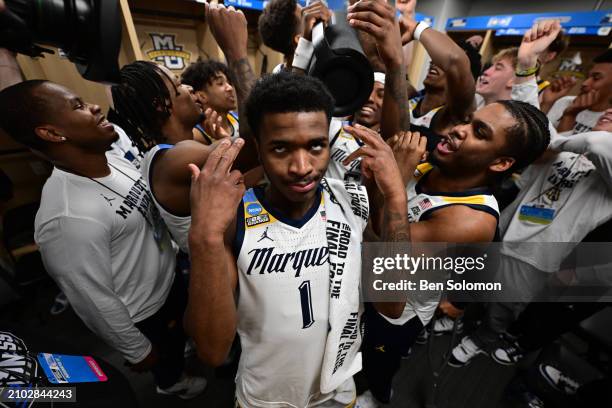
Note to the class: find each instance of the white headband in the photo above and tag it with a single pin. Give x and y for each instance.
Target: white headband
(379, 77)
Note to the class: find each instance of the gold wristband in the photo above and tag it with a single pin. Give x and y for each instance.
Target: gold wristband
(528, 72)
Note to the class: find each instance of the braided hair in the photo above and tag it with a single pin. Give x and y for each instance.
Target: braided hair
(143, 101)
(529, 137)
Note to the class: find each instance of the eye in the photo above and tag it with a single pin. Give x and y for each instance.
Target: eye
(279, 149)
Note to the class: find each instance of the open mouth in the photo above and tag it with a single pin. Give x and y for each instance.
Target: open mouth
(103, 122)
(447, 146)
(367, 110)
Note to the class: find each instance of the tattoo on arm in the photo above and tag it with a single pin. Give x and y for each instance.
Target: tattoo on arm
(396, 227)
(395, 115)
(244, 80)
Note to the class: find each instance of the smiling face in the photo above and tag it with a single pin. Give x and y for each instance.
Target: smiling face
(294, 152)
(370, 113)
(82, 124)
(496, 82)
(436, 78)
(605, 121)
(477, 146)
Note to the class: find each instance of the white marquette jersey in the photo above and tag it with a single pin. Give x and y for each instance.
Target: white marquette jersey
(423, 120)
(283, 304)
(341, 144)
(177, 225)
(420, 207)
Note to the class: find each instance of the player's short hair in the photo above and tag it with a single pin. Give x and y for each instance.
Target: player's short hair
(286, 92)
(22, 110)
(606, 57)
(529, 137)
(201, 73)
(278, 24)
(507, 53)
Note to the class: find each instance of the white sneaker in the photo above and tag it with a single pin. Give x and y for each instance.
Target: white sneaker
(559, 380)
(464, 352)
(366, 400)
(445, 325)
(186, 388)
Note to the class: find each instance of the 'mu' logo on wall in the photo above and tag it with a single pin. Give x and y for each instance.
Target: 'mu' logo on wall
(166, 51)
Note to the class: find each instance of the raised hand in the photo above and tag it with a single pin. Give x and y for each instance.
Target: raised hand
(536, 40)
(213, 125)
(582, 102)
(377, 161)
(377, 18)
(311, 14)
(557, 89)
(215, 191)
(229, 27)
(408, 148)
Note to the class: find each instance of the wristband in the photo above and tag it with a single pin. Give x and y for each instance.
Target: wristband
(303, 53)
(422, 26)
(527, 72)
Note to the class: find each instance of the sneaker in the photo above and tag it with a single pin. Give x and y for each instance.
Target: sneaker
(366, 400)
(508, 353)
(60, 304)
(186, 388)
(445, 325)
(558, 380)
(423, 336)
(533, 401)
(463, 352)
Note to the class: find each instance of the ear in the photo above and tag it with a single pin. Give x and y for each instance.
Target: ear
(501, 164)
(202, 97)
(510, 82)
(49, 133)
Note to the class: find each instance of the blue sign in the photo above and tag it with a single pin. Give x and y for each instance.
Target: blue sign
(332, 4)
(575, 23)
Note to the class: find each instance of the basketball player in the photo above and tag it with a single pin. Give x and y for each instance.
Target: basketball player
(211, 81)
(151, 98)
(442, 194)
(100, 237)
(271, 270)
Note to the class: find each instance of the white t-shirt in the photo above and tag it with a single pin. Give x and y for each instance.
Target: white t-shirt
(585, 120)
(575, 188)
(115, 266)
(125, 149)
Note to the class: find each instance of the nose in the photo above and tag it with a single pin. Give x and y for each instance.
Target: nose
(586, 85)
(95, 109)
(300, 166)
(460, 131)
(487, 71)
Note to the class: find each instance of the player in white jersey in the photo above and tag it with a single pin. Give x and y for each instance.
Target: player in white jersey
(99, 235)
(153, 99)
(289, 280)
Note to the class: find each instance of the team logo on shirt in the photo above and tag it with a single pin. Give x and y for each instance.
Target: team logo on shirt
(265, 236)
(108, 200)
(258, 219)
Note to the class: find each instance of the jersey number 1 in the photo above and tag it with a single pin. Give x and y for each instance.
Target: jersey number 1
(306, 299)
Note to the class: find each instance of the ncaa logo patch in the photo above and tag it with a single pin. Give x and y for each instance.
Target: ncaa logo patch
(254, 209)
